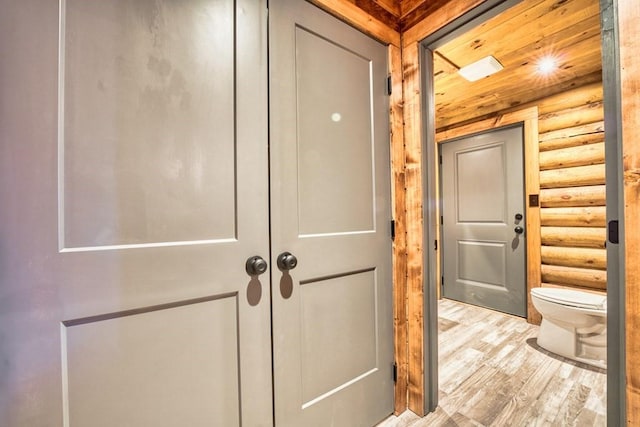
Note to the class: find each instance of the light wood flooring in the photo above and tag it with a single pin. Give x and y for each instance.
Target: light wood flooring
(492, 373)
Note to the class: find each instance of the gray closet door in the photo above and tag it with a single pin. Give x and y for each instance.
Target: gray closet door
(330, 208)
(484, 253)
(133, 165)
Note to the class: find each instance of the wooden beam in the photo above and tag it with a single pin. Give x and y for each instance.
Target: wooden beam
(571, 141)
(583, 237)
(415, 268)
(583, 155)
(391, 6)
(571, 117)
(629, 36)
(597, 127)
(358, 18)
(594, 195)
(573, 217)
(583, 277)
(438, 19)
(573, 177)
(575, 97)
(400, 242)
(574, 257)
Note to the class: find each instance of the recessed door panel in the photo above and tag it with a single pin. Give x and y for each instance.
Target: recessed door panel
(159, 367)
(482, 194)
(473, 177)
(335, 131)
(139, 111)
(482, 263)
(340, 349)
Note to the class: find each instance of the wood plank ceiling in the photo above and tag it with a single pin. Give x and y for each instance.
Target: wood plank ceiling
(399, 14)
(568, 30)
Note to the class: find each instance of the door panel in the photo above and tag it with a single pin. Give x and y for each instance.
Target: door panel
(330, 199)
(482, 191)
(115, 366)
(137, 110)
(334, 130)
(133, 302)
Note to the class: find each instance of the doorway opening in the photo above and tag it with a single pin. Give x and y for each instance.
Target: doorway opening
(444, 118)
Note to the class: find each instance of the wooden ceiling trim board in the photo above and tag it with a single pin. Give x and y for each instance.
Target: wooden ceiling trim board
(438, 19)
(443, 65)
(358, 18)
(408, 6)
(374, 9)
(419, 13)
(391, 6)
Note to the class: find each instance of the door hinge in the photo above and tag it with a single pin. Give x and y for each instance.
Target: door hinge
(389, 85)
(395, 372)
(440, 159)
(435, 245)
(393, 229)
(441, 284)
(614, 236)
(441, 220)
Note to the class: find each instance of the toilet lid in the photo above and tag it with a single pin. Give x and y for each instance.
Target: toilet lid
(572, 298)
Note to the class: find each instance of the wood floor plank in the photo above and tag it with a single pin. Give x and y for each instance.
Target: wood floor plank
(493, 373)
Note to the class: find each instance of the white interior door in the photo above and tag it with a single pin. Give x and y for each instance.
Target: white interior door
(133, 164)
(330, 208)
(484, 253)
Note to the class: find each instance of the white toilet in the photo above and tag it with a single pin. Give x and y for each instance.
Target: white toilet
(574, 324)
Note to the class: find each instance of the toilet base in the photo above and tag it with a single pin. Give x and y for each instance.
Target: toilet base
(587, 346)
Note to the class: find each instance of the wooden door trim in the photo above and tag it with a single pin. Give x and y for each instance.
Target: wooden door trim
(529, 118)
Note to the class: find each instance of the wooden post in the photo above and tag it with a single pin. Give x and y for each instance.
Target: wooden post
(629, 36)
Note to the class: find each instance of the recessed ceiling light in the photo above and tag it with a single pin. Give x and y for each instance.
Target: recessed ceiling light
(547, 65)
(481, 68)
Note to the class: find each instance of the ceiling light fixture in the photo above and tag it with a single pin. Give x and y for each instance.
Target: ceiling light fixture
(480, 69)
(547, 65)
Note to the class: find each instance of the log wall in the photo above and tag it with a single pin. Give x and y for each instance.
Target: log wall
(572, 189)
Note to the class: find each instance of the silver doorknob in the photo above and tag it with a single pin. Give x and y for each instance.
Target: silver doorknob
(255, 265)
(287, 261)
(519, 230)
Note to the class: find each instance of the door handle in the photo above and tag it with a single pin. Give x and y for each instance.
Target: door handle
(255, 265)
(287, 261)
(518, 230)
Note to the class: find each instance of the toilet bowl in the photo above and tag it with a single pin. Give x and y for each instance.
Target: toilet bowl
(574, 324)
